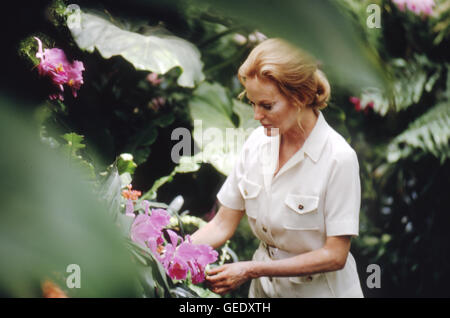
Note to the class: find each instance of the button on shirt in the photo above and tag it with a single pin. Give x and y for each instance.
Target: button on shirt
(315, 194)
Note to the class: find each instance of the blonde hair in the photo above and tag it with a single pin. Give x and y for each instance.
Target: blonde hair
(295, 73)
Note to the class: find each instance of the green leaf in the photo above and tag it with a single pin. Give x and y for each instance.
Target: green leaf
(164, 120)
(74, 143)
(202, 292)
(245, 114)
(151, 194)
(125, 163)
(125, 179)
(411, 78)
(141, 155)
(70, 149)
(211, 104)
(156, 52)
(214, 132)
(430, 133)
(110, 192)
(154, 273)
(46, 226)
(183, 291)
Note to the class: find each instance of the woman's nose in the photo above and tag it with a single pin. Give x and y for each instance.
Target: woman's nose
(257, 113)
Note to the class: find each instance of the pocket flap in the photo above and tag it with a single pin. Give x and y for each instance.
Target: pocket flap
(302, 203)
(304, 279)
(249, 189)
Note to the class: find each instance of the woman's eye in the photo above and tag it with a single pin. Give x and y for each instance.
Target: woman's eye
(265, 106)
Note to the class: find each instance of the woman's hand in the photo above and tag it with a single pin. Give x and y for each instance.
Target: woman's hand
(225, 278)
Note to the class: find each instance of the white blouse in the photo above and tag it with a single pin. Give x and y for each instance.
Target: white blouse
(315, 194)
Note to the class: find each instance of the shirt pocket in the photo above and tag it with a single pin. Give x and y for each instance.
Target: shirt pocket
(301, 212)
(250, 191)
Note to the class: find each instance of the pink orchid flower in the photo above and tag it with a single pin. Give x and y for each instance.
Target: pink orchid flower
(178, 256)
(129, 208)
(419, 7)
(54, 64)
(75, 78)
(147, 229)
(179, 259)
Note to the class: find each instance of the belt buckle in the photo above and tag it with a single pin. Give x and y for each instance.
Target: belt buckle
(269, 249)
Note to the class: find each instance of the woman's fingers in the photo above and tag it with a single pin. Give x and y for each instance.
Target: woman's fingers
(215, 270)
(217, 280)
(220, 291)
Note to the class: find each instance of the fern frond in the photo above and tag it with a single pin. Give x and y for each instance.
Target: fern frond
(429, 133)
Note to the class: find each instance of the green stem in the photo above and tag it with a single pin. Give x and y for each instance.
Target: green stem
(229, 61)
(158, 183)
(219, 35)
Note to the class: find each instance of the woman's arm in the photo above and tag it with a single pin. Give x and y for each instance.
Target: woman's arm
(219, 229)
(331, 257)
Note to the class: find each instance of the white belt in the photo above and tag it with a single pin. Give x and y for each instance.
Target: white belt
(275, 253)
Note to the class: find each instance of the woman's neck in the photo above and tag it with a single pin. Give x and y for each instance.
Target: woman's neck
(296, 136)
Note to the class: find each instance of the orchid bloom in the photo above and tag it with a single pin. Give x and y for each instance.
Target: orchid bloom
(178, 256)
(54, 64)
(75, 78)
(178, 259)
(147, 229)
(424, 7)
(129, 210)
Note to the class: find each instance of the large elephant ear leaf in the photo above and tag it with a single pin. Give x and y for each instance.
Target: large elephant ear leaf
(215, 132)
(156, 52)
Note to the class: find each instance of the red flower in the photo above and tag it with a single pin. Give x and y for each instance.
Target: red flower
(131, 194)
(357, 102)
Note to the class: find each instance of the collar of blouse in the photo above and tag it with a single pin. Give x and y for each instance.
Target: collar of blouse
(313, 146)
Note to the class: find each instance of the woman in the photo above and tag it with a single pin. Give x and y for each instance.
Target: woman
(298, 182)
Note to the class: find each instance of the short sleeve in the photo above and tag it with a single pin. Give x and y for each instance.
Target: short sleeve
(343, 197)
(229, 194)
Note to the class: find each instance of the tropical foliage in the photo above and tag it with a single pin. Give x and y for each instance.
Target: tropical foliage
(139, 71)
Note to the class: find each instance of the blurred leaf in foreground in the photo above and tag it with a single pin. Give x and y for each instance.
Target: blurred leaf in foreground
(50, 219)
(319, 27)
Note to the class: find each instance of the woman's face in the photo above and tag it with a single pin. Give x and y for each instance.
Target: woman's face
(271, 108)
